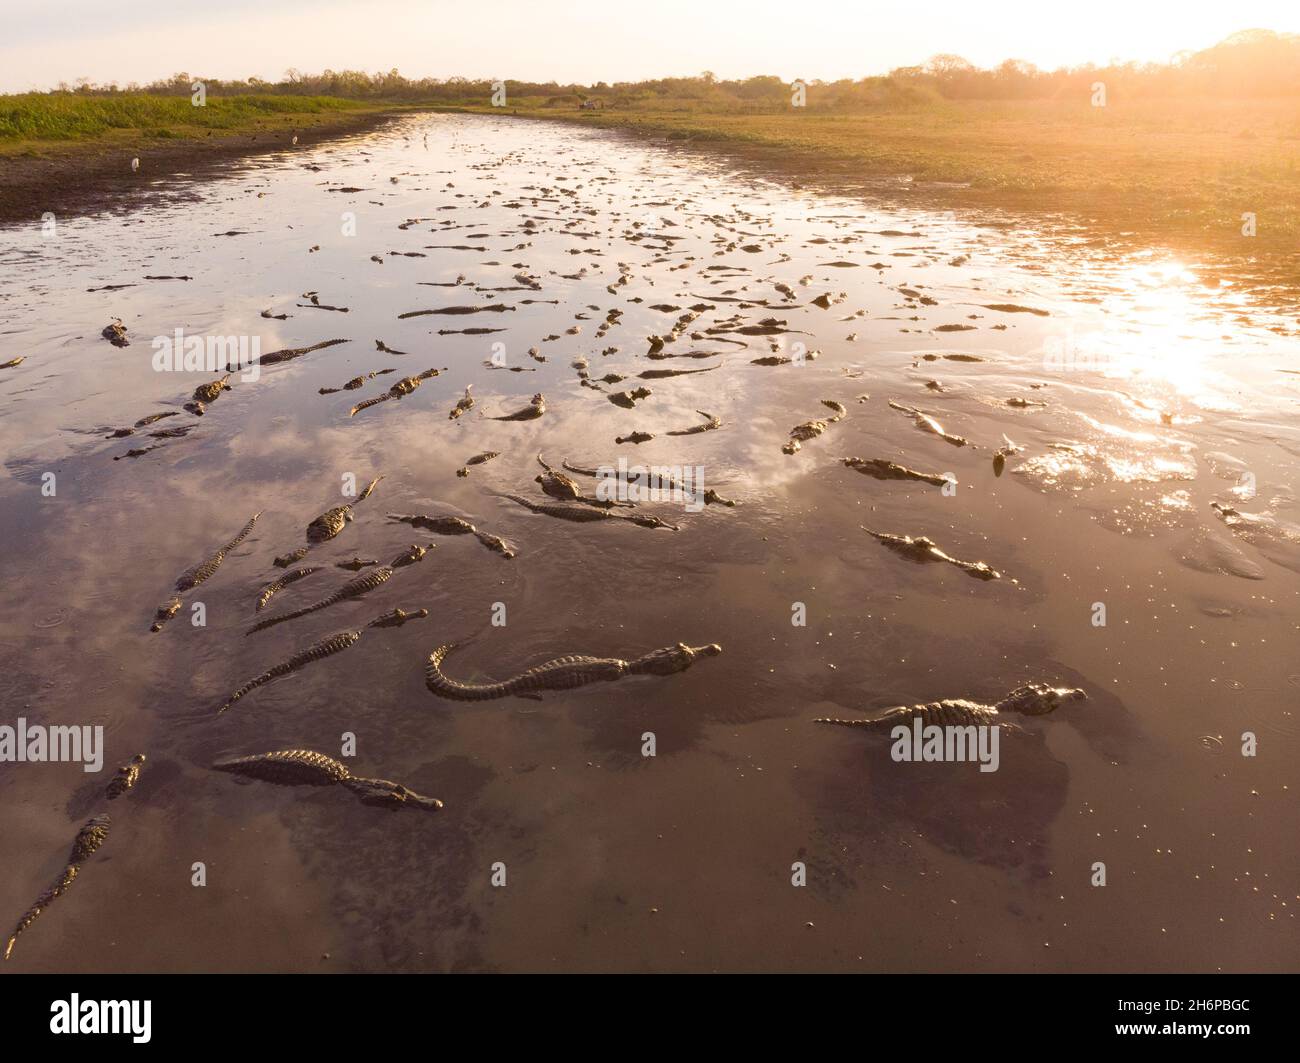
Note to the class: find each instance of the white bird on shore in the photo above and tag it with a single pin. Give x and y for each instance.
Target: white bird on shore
(135, 165)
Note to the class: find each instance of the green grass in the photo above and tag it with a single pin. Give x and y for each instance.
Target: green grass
(35, 118)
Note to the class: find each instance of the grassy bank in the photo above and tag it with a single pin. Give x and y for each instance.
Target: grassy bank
(37, 123)
(72, 154)
(1180, 170)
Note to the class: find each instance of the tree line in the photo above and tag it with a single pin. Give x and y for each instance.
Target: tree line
(1253, 63)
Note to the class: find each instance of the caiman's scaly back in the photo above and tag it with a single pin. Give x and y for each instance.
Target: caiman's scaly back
(563, 673)
(1028, 699)
(305, 767)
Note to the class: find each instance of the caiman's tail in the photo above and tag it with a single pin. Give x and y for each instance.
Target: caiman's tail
(448, 688)
(436, 681)
(867, 723)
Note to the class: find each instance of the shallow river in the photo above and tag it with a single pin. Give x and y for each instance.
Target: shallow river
(1126, 392)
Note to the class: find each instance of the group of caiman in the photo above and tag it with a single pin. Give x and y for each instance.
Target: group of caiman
(305, 767)
(564, 499)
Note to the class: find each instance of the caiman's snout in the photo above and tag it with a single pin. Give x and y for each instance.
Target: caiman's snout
(1052, 698)
(1061, 695)
(671, 659)
(1074, 694)
(414, 800)
(393, 795)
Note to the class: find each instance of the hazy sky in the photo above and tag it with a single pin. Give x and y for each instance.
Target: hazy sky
(593, 40)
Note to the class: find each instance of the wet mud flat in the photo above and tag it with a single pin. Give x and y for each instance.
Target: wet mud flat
(935, 449)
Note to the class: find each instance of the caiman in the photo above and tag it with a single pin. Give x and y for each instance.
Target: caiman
(354, 588)
(711, 497)
(928, 424)
(276, 586)
(333, 521)
(477, 459)
(115, 333)
(1002, 453)
(326, 647)
(660, 374)
(1229, 514)
(710, 424)
(398, 617)
(410, 556)
(535, 408)
(290, 353)
(921, 550)
(165, 612)
(801, 433)
(87, 843)
(88, 840)
(566, 489)
(126, 778)
(585, 514)
(462, 406)
(191, 578)
(351, 385)
(888, 470)
(154, 418)
(628, 399)
(557, 485)
(1028, 699)
(493, 308)
(212, 390)
(564, 673)
(196, 575)
(369, 489)
(303, 767)
(329, 524)
(399, 390)
(448, 525)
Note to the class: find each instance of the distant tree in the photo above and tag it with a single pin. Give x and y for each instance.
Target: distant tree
(946, 65)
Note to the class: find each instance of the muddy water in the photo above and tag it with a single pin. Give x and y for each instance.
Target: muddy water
(1163, 388)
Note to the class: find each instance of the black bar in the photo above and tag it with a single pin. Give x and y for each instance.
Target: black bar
(971, 1012)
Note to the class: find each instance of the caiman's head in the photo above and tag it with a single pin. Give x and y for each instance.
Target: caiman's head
(677, 658)
(1038, 699)
(391, 795)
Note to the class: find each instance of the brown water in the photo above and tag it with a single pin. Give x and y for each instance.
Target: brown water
(1165, 388)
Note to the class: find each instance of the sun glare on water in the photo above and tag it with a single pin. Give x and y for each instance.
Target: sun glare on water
(1163, 329)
